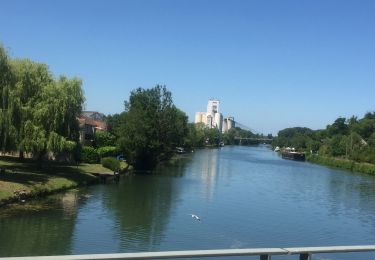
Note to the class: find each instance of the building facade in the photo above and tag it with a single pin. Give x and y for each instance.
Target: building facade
(212, 118)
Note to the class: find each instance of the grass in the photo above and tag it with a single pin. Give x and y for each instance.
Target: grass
(341, 163)
(52, 177)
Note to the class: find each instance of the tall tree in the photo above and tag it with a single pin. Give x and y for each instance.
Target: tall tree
(7, 129)
(152, 127)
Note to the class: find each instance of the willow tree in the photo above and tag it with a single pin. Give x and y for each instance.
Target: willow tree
(30, 80)
(38, 113)
(53, 125)
(7, 130)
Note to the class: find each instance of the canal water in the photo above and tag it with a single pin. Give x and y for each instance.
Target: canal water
(246, 197)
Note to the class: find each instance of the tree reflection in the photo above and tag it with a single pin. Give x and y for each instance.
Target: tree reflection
(39, 228)
(142, 205)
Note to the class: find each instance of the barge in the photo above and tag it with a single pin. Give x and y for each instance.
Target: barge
(291, 155)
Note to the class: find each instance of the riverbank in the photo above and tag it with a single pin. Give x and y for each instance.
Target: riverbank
(24, 180)
(345, 164)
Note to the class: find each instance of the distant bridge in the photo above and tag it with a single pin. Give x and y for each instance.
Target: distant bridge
(244, 127)
(254, 139)
(251, 140)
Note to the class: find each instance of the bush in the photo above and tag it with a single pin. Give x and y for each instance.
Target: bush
(89, 155)
(103, 139)
(111, 163)
(108, 151)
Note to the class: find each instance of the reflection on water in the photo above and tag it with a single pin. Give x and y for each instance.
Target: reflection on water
(40, 227)
(245, 196)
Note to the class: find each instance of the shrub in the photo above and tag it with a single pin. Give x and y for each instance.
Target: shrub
(103, 139)
(111, 163)
(89, 155)
(108, 151)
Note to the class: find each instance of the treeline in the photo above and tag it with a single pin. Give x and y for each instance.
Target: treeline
(348, 138)
(38, 117)
(151, 127)
(38, 112)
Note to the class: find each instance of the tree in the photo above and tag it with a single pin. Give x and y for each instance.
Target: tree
(38, 113)
(152, 127)
(104, 139)
(30, 79)
(7, 128)
(338, 127)
(114, 122)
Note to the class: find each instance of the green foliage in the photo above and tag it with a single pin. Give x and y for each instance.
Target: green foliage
(114, 123)
(7, 128)
(151, 127)
(230, 136)
(107, 151)
(38, 114)
(343, 164)
(104, 139)
(70, 146)
(298, 137)
(111, 163)
(339, 127)
(195, 135)
(352, 139)
(89, 155)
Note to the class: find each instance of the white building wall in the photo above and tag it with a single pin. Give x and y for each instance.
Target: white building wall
(218, 121)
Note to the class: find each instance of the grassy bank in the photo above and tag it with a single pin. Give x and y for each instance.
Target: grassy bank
(342, 164)
(25, 179)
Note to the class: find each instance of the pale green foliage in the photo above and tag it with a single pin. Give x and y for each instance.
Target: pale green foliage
(69, 146)
(35, 138)
(38, 113)
(56, 143)
(107, 151)
(7, 130)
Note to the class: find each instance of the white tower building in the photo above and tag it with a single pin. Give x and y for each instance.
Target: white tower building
(212, 118)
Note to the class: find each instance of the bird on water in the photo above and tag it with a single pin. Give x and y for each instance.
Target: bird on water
(195, 217)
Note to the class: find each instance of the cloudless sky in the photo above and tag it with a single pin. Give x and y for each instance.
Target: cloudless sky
(272, 64)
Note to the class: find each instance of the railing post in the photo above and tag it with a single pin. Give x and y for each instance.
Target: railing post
(265, 257)
(305, 256)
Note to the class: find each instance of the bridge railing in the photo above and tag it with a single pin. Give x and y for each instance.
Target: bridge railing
(305, 253)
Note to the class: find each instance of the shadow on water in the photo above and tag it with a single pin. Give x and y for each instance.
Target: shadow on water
(40, 227)
(142, 203)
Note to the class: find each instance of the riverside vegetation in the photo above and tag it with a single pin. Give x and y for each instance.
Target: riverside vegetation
(38, 121)
(346, 143)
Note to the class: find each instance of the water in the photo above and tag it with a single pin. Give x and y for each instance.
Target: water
(247, 197)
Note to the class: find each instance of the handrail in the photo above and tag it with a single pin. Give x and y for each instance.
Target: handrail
(264, 253)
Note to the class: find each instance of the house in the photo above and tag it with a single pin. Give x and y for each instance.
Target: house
(89, 123)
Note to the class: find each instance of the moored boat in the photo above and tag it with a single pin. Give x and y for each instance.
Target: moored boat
(291, 155)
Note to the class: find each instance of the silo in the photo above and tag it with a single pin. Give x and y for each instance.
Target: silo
(225, 125)
(198, 117)
(209, 121)
(231, 123)
(219, 121)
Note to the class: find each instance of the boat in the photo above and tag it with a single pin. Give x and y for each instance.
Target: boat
(292, 155)
(180, 150)
(277, 149)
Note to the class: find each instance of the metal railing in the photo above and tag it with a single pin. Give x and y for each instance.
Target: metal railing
(305, 253)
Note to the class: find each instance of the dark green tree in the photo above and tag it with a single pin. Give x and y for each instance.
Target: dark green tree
(152, 127)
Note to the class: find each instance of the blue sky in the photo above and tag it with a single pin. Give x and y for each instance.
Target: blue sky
(272, 64)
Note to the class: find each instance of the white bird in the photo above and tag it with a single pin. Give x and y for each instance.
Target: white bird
(195, 216)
